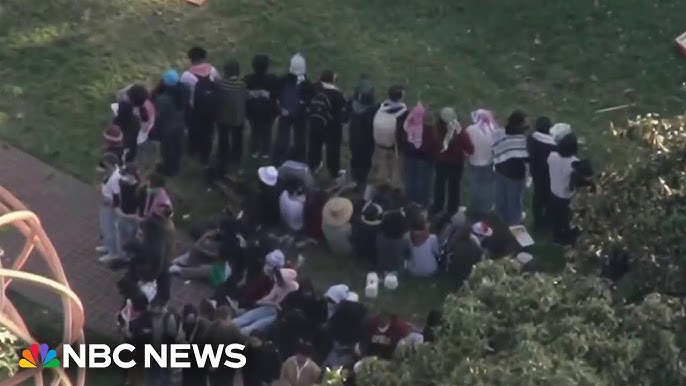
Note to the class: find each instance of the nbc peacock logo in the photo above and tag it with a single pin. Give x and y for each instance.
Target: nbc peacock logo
(30, 357)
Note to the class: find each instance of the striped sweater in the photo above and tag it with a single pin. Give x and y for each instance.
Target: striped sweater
(233, 100)
(510, 154)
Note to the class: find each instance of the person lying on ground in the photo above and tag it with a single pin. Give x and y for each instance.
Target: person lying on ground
(267, 308)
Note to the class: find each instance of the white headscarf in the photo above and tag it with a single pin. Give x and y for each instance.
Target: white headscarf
(275, 259)
(298, 67)
(336, 294)
(449, 116)
(559, 131)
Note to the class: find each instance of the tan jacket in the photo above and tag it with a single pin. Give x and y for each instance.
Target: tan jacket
(308, 375)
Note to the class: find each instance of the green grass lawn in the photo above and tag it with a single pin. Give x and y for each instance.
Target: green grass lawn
(62, 61)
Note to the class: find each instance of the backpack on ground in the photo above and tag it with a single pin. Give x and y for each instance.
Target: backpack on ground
(206, 98)
(385, 124)
(320, 108)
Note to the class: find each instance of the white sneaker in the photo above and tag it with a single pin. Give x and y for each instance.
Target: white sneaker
(174, 269)
(101, 249)
(108, 258)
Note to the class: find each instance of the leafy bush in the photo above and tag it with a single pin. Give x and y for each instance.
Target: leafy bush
(633, 225)
(8, 353)
(505, 327)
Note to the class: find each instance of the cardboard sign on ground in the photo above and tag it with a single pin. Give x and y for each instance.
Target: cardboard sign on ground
(522, 236)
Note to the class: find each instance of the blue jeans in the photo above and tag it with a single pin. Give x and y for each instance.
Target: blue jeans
(480, 190)
(108, 229)
(418, 176)
(508, 199)
(256, 319)
(126, 229)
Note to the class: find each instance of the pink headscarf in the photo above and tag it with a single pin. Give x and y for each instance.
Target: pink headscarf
(414, 125)
(484, 120)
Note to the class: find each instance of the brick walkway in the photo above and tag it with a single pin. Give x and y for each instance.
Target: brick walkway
(67, 208)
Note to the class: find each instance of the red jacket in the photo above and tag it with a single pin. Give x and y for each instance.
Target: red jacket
(460, 145)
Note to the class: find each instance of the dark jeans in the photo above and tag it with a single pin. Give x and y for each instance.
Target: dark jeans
(448, 176)
(283, 138)
(330, 137)
(200, 137)
(261, 136)
(361, 164)
(540, 205)
(561, 216)
(230, 146)
(171, 151)
(418, 175)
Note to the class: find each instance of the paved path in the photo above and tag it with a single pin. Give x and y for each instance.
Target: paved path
(67, 208)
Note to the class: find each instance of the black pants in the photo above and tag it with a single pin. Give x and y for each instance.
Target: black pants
(539, 205)
(448, 176)
(283, 138)
(230, 146)
(561, 217)
(361, 163)
(330, 137)
(200, 137)
(171, 151)
(261, 136)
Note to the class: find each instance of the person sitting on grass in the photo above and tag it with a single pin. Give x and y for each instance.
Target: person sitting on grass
(300, 369)
(295, 168)
(336, 225)
(213, 257)
(424, 249)
(263, 207)
(292, 205)
(263, 364)
(315, 199)
(384, 333)
(391, 244)
(267, 308)
(365, 230)
(243, 292)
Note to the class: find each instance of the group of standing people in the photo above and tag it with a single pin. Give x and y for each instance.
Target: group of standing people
(406, 165)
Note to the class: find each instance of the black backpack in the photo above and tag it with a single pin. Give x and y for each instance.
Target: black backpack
(320, 108)
(206, 98)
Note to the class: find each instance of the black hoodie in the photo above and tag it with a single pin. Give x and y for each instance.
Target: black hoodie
(539, 145)
(262, 99)
(362, 109)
